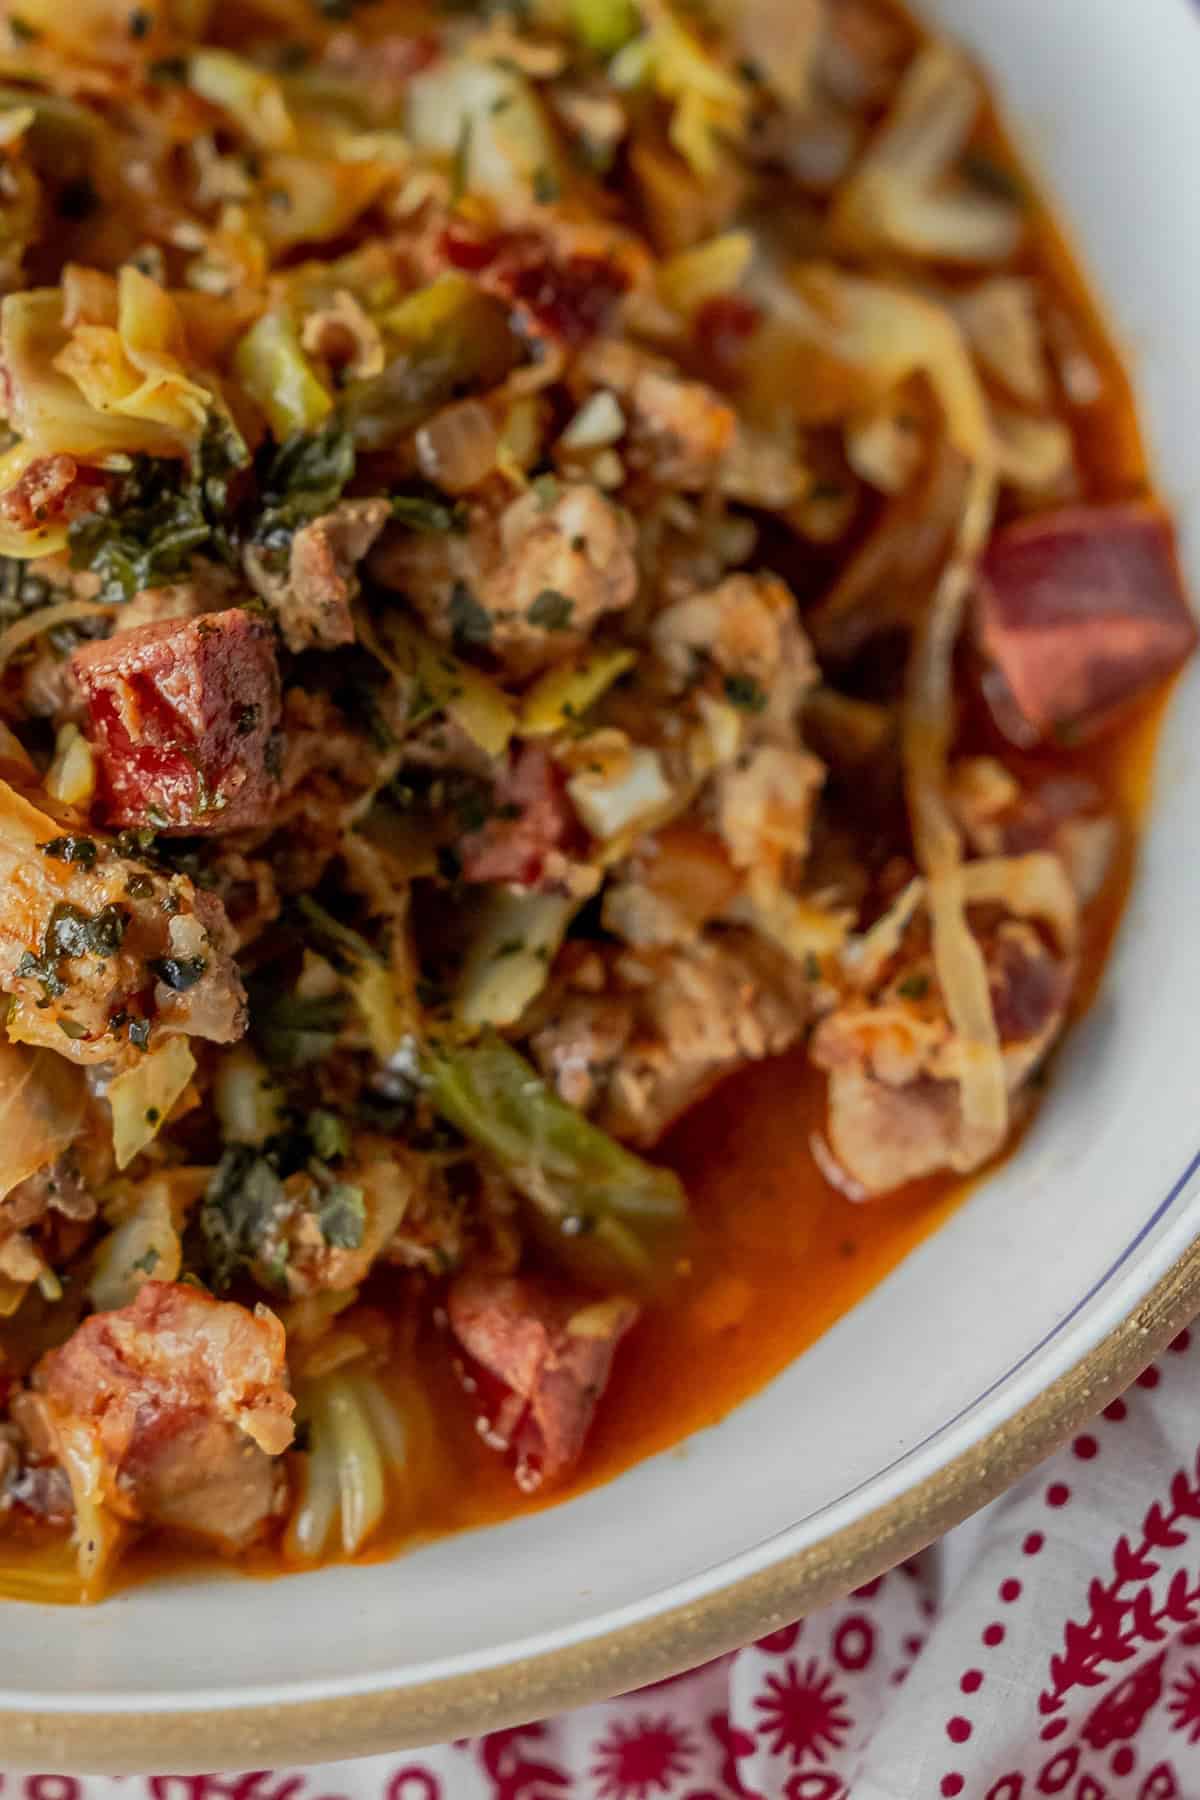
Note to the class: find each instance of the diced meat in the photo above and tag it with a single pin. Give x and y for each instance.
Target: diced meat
(527, 588)
(551, 1354)
(1079, 613)
(312, 601)
(679, 430)
(669, 1025)
(744, 640)
(171, 1412)
(86, 936)
(522, 843)
(182, 716)
(895, 1063)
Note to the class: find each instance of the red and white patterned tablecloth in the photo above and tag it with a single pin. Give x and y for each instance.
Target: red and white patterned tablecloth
(1049, 1647)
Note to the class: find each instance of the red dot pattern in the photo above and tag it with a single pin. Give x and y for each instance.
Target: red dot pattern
(1085, 1447)
(972, 1681)
(1181, 1343)
(1116, 1412)
(1010, 1590)
(1123, 1761)
(1033, 1543)
(1057, 1494)
(993, 1635)
(951, 1785)
(958, 1729)
(1149, 1378)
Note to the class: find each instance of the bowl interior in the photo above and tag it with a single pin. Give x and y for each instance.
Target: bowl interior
(1035, 1268)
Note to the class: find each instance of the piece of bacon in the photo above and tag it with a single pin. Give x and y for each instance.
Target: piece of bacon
(552, 1355)
(182, 716)
(1078, 613)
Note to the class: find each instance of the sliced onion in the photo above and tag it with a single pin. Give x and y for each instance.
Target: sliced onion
(63, 612)
(457, 448)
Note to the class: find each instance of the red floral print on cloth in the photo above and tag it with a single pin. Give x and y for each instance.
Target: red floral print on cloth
(1064, 1660)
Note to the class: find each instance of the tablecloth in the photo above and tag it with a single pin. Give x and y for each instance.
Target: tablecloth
(1049, 1647)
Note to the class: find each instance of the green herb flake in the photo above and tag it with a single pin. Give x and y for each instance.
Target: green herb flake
(551, 610)
(913, 987)
(81, 850)
(179, 973)
(547, 488)
(71, 1028)
(147, 1263)
(420, 513)
(342, 1216)
(470, 623)
(546, 186)
(744, 692)
(327, 1133)
(994, 178)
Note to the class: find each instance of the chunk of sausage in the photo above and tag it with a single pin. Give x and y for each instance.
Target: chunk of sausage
(172, 1411)
(181, 715)
(551, 1354)
(526, 588)
(1079, 613)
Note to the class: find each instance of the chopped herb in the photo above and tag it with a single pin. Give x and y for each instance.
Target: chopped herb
(546, 186)
(139, 1033)
(146, 1264)
(72, 1028)
(179, 972)
(168, 68)
(342, 1216)
(551, 610)
(73, 932)
(246, 719)
(135, 842)
(240, 1215)
(22, 30)
(460, 168)
(745, 693)
(812, 966)
(510, 947)
(152, 1115)
(992, 177)
(141, 24)
(913, 987)
(153, 523)
(547, 488)
(470, 623)
(303, 479)
(329, 1136)
(422, 514)
(81, 850)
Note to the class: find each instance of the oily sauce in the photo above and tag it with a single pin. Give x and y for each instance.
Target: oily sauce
(778, 1255)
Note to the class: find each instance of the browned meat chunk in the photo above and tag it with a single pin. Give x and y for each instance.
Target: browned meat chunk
(552, 1356)
(521, 843)
(100, 955)
(526, 588)
(182, 715)
(1079, 613)
(895, 1063)
(312, 601)
(679, 430)
(171, 1412)
(659, 1028)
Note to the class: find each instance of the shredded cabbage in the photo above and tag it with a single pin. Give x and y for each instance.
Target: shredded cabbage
(142, 1097)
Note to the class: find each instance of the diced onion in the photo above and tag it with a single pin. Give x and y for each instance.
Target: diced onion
(564, 694)
(144, 1247)
(609, 805)
(508, 962)
(457, 447)
(598, 423)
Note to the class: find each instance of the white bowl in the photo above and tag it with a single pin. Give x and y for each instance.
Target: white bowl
(949, 1379)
